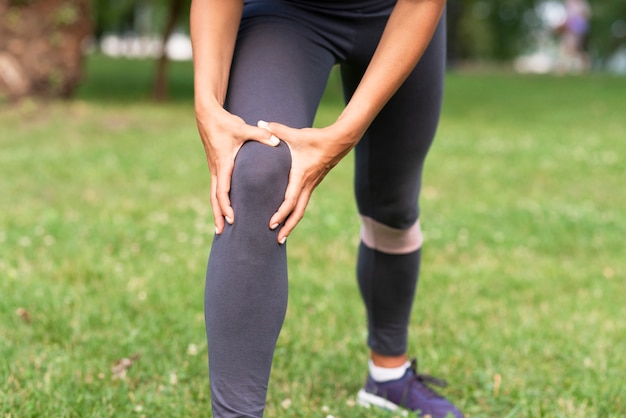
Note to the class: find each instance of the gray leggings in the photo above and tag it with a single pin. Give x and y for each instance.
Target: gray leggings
(283, 57)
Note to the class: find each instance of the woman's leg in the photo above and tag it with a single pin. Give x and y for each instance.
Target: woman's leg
(277, 75)
(389, 162)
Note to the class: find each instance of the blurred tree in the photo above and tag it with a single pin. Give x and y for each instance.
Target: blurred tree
(143, 17)
(608, 27)
(41, 41)
(113, 16)
(175, 11)
(489, 30)
(41, 46)
(511, 22)
(501, 29)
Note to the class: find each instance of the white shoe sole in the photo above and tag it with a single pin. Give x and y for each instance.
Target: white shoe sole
(368, 400)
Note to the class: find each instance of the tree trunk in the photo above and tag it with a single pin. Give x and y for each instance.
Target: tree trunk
(160, 90)
(41, 43)
(454, 11)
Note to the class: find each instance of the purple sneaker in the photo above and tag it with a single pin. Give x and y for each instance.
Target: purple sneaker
(410, 392)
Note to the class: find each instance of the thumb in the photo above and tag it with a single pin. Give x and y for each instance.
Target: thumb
(279, 130)
(262, 135)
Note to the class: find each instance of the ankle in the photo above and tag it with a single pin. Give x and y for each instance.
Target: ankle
(386, 374)
(380, 360)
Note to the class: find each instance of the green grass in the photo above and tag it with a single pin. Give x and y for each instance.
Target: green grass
(105, 227)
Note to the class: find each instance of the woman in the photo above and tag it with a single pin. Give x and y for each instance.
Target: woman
(572, 56)
(269, 60)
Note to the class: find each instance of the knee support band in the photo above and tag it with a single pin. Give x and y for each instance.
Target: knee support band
(388, 240)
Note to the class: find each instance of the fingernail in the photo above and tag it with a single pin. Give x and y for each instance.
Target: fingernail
(283, 240)
(274, 140)
(274, 226)
(262, 124)
(216, 231)
(229, 220)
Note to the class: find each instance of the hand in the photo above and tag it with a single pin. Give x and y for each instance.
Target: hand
(222, 135)
(314, 152)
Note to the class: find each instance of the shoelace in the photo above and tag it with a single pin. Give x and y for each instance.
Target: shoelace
(424, 380)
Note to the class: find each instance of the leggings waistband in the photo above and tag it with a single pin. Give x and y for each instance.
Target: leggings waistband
(346, 8)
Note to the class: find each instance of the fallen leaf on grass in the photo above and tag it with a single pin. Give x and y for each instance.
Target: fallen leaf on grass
(23, 313)
(192, 350)
(121, 366)
(497, 381)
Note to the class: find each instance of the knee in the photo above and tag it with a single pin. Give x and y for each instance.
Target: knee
(261, 170)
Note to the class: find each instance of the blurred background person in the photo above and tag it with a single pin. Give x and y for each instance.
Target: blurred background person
(572, 55)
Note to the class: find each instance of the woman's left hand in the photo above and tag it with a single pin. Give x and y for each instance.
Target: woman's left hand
(314, 152)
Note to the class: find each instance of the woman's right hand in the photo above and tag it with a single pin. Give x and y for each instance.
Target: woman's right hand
(222, 135)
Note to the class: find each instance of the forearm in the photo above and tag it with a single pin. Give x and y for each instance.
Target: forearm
(405, 38)
(213, 29)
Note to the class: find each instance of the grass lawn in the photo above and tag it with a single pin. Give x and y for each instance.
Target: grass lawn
(105, 227)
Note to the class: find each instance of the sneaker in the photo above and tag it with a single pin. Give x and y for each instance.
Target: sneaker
(411, 392)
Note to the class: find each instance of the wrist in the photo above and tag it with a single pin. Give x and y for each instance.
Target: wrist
(205, 105)
(351, 125)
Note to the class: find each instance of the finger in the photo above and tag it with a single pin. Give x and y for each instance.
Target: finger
(278, 129)
(294, 218)
(222, 195)
(289, 203)
(218, 218)
(282, 213)
(262, 135)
